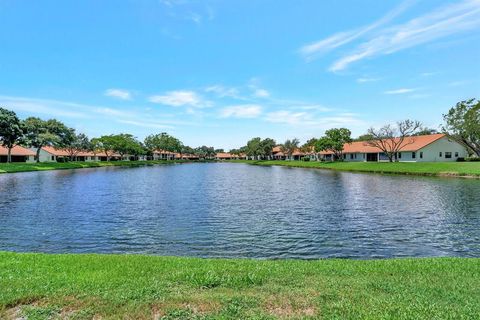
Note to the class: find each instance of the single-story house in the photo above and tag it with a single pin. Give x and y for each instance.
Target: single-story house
(51, 154)
(18, 153)
(164, 155)
(428, 148)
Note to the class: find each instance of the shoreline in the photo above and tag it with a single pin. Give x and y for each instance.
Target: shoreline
(425, 169)
(467, 170)
(111, 286)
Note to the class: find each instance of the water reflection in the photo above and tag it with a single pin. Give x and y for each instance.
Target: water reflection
(236, 210)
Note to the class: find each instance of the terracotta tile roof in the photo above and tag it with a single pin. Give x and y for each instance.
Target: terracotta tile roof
(410, 144)
(65, 153)
(277, 149)
(224, 155)
(17, 151)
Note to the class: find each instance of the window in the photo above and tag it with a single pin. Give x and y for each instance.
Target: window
(351, 156)
(440, 154)
(399, 155)
(53, 158)
(421, 155)
(448, 155)
(414, 155)
(456, 154)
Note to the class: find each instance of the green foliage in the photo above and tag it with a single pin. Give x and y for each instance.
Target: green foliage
(462, 123)
(76, 143)
(290, 146)
(333, 141)
(205, 152)
(163, 141)
(11, 130)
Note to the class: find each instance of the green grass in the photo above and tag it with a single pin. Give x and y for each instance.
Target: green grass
(460, 169)
(24, 167)
(41, 286)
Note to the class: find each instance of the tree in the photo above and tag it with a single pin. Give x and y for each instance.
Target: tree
(205, 152)
(289, 147)
(254, 147)
(164, 142)
(364, 137)
(75, 144)
(391, 139)
(11, 130)
(266, 147)
(219, 150)
(106, 144)
(125, 144)
(334, 141)
(40, 133)
(462, 123)
(425, 132)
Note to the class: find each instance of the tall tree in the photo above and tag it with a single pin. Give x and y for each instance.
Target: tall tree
(462, 123)
(40, 133)
(254, 147)
(11, 130)
(334, 141)
(266, 147)
(106, 144)
(126, 144)
(163, 142)
(289, 147)
(391, 139)
(76, 143)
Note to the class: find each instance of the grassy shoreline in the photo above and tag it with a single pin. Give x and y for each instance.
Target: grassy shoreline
(441, 169)
(44, 166)
(44, 286)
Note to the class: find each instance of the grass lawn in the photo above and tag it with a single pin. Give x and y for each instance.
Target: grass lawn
(465, 169)
(41, 286)
(23, 167)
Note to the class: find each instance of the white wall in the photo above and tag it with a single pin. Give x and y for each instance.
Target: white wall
(431, 153)
(44, 155)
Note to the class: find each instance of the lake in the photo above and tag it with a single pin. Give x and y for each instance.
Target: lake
(239, 210)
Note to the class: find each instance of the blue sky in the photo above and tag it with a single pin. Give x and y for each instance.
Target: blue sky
(220, 72)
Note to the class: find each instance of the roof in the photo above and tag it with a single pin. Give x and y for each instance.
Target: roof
(17, 151)
(410, 144)
(65, 153)
(224, 155)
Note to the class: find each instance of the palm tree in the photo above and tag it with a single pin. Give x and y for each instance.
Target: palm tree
(289, 147)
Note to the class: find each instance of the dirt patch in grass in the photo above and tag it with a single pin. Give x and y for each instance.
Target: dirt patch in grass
(291, 306)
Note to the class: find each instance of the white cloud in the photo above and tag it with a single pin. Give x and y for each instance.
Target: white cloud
(311, 50)
(261, 93)
(119, 94)
(222, 91)
(180, 98)
(241, 111)
(444, 21)
(367, 79)
(305, 119)
(400, 91)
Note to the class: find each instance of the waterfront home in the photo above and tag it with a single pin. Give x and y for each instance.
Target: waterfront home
(224, 156)
(165, 155)
(428, 148)
(52, 154)
(18, 153)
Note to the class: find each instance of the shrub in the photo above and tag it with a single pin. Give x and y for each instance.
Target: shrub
(473, 159)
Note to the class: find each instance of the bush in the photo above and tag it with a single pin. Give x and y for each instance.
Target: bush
(306, 158)
(473, 159)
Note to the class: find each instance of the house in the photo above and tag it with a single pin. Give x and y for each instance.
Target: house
(18, 153)
(224, 156)
(428, 148)
(51, 154)
(164, 155)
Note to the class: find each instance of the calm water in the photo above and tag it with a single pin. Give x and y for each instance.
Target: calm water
(238, 210)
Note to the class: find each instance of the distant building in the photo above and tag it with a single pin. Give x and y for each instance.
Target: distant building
(428, 148)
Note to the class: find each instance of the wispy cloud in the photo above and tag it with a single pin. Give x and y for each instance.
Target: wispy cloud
(241, 111)
(367, 79)
(444, 21)
(222, 91)
(400, 91)
(306, 119)
(312, 50)
(119, 94)
(65, 110)
(180, 98)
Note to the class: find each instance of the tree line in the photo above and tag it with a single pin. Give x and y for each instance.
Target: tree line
(37, 133)
(461, 123)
